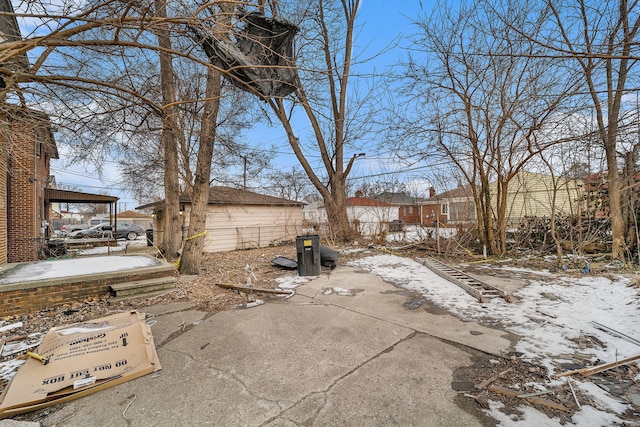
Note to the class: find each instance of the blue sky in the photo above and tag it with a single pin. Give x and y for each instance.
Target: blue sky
(382, 22)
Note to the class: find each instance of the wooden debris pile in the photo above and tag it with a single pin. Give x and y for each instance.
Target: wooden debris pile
(514, 382)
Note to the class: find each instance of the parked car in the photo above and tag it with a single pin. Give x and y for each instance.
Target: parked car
(67, 229)
(123, 231)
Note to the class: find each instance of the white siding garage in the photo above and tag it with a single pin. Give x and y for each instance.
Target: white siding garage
(244, 227)
(238, 219)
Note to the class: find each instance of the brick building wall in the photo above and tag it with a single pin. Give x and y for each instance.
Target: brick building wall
(29, 297)
(23, 301)
(3, 203)
(28, 142)
(410, 214)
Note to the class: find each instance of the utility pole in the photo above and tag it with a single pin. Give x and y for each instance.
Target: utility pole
(244, 174)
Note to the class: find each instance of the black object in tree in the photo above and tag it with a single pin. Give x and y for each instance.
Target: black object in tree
(260, 58)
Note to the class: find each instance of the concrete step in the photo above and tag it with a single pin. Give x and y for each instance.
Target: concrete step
(143, 286)
(143, 295)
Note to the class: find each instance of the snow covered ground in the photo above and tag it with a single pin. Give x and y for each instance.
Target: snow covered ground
(555, 317)
(414, 233)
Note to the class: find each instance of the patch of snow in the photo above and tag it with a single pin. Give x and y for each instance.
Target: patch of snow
(353, 250)
(342, 291)
(9, 368)
(529, 416)
(602, 398)
(123, 245)
(575, 302)
(590, 416)
(416, 233)
(291, 282)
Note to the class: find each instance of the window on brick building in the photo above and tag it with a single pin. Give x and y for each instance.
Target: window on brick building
(40, 140)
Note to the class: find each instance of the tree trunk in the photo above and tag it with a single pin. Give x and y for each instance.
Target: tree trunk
(501, 213)
(617, 223)
(336, 208)
(194, 244)
(172, 222)
(330, 147)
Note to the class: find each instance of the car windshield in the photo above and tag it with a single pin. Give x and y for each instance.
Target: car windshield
(99, 226)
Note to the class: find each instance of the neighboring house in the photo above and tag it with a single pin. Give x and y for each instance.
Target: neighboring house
(137, 218)
(453, 207)
(370, 216)
(237, 219)
(528, 195)
(408, 206)
(314, 214)
(539, 195)
(28, 146)
(367, 216)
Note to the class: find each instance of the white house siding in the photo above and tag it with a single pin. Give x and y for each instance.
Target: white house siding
(314, 213)
(243, 227)
(372, 219)
(369, 219)
(532, 195)
(461, 210)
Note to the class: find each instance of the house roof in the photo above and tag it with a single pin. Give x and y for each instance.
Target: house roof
(233, 196)
(133, 214)
(26, 116)
(456, 193)
(365, 201)
(398, 198)
(10, 32)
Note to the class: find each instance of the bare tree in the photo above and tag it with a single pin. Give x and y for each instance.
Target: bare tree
(484, 100)
(171, 240)
(107, 83)
(601, 38)
(292, 185)
(325, 59)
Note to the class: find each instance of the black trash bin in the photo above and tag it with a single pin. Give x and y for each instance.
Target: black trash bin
(308, 249)
(149, 236)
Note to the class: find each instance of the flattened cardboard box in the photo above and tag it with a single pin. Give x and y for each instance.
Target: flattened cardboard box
(81, 359)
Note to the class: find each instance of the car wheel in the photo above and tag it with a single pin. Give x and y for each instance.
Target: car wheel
(131, 235)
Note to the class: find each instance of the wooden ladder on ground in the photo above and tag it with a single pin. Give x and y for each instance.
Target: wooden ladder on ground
(476, 288)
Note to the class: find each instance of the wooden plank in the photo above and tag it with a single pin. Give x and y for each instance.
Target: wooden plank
(585, 372)
(504, 391)
(547, 403)
(253, 289)
(488, 381)
(534, 400)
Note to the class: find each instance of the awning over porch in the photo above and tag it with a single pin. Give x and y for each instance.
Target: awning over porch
(55, 195)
